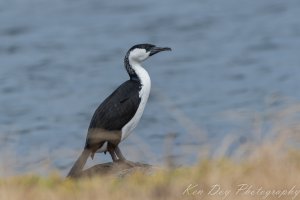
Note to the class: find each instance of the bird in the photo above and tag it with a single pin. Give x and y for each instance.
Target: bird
(118, 115)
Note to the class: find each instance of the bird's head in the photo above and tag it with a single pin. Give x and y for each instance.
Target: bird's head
(140, 52)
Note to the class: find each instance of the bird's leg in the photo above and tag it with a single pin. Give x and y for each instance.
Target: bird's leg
(122, 158)
(111, 151)
(119, 153)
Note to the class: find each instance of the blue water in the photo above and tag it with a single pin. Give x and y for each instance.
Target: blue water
(232, 62)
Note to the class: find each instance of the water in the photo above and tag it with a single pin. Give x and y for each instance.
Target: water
(232, 61)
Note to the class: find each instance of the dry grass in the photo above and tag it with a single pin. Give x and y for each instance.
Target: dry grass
(265, 169)
(270, 171)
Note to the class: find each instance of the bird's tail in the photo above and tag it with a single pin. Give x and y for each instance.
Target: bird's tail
(80, 162)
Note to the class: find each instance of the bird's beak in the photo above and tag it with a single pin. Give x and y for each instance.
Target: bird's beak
(156, 50)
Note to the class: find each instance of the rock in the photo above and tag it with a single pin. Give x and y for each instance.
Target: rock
(118, 169)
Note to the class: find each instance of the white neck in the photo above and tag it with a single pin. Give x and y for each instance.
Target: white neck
(143, 76)
(145, 81)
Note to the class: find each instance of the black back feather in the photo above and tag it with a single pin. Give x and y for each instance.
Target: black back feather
(118, 108)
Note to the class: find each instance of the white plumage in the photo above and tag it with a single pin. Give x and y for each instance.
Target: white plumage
(144, 93)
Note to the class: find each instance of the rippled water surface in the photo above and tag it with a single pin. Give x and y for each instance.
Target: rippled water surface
(232, 62)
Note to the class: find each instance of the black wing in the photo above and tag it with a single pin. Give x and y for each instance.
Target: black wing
(119, 108)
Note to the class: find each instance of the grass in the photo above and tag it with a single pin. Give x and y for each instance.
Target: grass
(264, 169)
(270, 171)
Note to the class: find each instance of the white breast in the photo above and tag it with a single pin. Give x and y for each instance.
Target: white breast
(144, 94)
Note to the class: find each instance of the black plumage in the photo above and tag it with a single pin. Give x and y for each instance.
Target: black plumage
(107, 122)
(116, 110)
